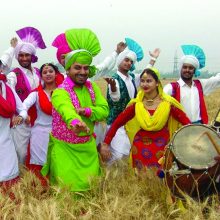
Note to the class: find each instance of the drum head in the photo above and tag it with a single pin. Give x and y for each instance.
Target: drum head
(195, 146)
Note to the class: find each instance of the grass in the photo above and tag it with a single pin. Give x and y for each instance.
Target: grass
(117, 194)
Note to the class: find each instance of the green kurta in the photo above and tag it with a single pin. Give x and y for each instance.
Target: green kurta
(73, 164)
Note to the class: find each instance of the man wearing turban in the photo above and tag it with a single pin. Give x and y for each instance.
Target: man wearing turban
(121, 89)
(103, 68)
(72, 157)
(190, 93)
(24, 79)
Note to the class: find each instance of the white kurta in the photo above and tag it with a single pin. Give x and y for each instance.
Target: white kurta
(39, 132)
(21, 134)
(189, 96)
(103, 69)
(6, 59)
(8, 157)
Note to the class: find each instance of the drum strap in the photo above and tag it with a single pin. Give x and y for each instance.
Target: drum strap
(203, 110)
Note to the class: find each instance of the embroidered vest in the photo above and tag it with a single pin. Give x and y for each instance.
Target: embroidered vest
(21, 87)
(117, 107)
(59, 127)
(203, 110)
(23, 91)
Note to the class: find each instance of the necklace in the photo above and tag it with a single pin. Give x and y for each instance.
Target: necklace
(150, 102)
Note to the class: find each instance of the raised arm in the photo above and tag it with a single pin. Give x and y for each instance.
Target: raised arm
(154, 55)
(109, 62)
(8, 55)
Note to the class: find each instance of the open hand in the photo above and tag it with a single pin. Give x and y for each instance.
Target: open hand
(16, 120)
(120, 47)
(14, 42)
(80, 126)
(112, 83)
(155, 53)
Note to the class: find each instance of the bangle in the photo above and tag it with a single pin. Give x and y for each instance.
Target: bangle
(153, 58)
(88, 112)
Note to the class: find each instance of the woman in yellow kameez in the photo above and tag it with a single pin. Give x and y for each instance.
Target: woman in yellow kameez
(150, 120)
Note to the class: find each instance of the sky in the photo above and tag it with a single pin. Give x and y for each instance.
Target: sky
(166, 24)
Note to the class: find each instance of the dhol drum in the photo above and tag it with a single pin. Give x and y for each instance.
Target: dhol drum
(189, 161)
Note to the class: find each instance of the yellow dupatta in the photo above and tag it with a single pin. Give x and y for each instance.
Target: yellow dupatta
(143, 119)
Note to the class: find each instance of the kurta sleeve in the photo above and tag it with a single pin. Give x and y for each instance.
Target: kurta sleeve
(20, 108)
(100, 110)
(6, 59)
(168, 89)
(12, 79)
(30, 100)
(115, 96)
(106, 66)
(180, 116)
(62, 103)
(121, 120)
(210, 84)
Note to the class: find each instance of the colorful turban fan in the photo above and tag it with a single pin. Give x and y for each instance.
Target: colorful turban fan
(193, 55)
(84, 45)
(31, 39)
(133, 51)
(62, 46)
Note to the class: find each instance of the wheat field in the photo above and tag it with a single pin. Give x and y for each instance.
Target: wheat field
(117, 194)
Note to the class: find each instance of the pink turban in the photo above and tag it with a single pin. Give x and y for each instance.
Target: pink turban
(62, 46)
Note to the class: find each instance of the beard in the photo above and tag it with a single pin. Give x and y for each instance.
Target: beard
(25, 65)
(187, 77)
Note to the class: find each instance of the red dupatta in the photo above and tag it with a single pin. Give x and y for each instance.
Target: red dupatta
(7, 105)
(45, 103)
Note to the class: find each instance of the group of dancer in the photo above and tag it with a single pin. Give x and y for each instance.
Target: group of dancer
(48, 120)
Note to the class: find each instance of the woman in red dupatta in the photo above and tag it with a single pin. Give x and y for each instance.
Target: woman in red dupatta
(41, 127)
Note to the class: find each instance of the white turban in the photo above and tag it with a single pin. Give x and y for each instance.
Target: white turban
(126, 54)
(6, 58)
(189, 59)
(24, 47)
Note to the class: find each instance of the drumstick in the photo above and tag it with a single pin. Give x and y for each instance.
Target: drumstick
(213, 142)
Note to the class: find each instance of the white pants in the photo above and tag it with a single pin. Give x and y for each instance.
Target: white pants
(120, 145)
(99, 130)
(8, 157)
(21, 136)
